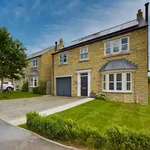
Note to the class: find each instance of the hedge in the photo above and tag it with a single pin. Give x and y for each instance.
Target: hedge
(59, 129)
(125, 139)
(56, 128)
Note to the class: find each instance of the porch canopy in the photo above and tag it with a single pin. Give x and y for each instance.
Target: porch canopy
(33, 73)
(119, 64)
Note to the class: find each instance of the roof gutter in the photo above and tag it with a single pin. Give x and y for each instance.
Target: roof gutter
(100, 38)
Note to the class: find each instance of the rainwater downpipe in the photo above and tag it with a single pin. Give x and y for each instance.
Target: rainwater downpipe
(137, 98)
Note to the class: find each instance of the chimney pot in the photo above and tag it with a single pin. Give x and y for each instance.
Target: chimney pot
(56, 46)
(139, 15)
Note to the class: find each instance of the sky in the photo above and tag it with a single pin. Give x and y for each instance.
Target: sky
(39, 23)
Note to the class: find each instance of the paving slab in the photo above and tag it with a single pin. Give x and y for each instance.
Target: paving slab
(11, 109)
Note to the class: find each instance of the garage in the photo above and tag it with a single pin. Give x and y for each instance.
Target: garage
(63, 86)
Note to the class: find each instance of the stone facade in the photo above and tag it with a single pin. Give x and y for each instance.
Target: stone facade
(44, 67)
(138, 54)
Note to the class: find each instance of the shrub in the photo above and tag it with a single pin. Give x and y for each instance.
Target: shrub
(40, 90)
(100, 96)
(25, 87)
(56, 128)
(124, 139)
(35, 90)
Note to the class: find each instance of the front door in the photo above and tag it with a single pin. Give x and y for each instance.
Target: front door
(84, 84)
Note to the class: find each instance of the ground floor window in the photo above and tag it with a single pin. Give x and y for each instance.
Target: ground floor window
(117, 82)
(33, 81)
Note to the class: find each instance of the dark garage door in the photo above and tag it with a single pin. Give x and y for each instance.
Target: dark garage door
(63, 86)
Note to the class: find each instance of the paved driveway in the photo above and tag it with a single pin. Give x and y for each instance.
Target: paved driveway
(10, 109)
(14, 138)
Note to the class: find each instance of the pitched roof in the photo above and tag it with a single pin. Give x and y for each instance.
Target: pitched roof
(116, 30)
(107, 31)
(39, 53)
(119, 64)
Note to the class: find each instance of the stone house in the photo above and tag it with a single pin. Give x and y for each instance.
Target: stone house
(39, 69)
(114, 61)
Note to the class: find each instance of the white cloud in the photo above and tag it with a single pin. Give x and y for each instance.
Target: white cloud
(94, 19)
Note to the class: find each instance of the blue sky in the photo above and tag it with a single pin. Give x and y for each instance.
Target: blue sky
(39, 23)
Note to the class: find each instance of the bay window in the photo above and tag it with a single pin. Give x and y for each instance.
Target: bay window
(128, 81)
(33, 81)
(117, 82)
(104, 82)
(111, 81)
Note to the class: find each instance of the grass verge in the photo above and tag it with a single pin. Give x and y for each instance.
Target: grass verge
(17, 94)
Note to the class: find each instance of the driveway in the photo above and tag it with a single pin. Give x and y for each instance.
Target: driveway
(10, 109)
(14, 138)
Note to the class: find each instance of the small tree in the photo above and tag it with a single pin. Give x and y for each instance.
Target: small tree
(12, 57)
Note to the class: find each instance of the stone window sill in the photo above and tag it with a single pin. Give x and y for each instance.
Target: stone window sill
(115, 55)
(117, 92)
(63, 64)
(80, 61)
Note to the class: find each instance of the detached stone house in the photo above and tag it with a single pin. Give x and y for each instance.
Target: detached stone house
(114, 61)
(39, 68)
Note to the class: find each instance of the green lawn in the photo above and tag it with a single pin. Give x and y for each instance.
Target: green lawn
(17, 94)
(103, 114)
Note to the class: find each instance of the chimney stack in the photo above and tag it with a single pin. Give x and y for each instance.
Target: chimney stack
(139, 15)
(56, 46)
(61, 43)
(146, 12)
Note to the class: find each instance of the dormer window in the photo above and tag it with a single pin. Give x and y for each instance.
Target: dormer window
(34, 63)
(117, 46)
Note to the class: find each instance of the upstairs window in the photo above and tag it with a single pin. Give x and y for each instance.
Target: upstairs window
(34, 63)
(108, 48)
(84, 54)
(117, 46)
(63, 59)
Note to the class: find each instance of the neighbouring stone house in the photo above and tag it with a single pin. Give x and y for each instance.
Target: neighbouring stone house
(39, 69)
(114, 61)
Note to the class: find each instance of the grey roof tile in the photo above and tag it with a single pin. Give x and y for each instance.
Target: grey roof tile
(33, 73)
(39, 53)
(131, 24)
(119, 64)
(109, 31)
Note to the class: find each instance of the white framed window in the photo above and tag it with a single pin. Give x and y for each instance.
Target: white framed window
(34, 63)
(104, 82)
(84, 54)
(33, 81)
(116, 46)
(111, 82)
(128, 81)
(117, 82)
(63, 58)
